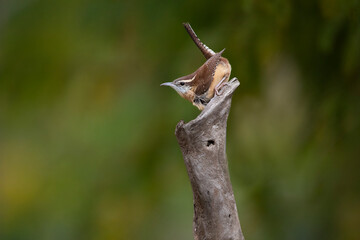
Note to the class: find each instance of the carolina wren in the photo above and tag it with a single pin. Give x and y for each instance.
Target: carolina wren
(200, 86)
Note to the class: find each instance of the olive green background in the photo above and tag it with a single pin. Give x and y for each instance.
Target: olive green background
(87, 145)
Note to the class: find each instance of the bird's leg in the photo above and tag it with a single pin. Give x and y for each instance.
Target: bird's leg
(221, 84)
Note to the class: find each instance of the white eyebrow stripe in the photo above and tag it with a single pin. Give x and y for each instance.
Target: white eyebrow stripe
(186, 81)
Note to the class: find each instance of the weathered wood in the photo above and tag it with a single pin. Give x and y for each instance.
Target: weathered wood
(203, 145)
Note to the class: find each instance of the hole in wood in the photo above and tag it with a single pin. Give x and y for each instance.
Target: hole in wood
(210, 142)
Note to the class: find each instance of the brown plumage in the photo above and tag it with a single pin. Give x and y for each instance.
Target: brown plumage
(200, 86)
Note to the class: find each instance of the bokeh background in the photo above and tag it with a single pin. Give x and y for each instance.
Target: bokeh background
(87, 145)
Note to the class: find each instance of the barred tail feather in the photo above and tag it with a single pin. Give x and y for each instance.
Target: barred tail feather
(206, 51)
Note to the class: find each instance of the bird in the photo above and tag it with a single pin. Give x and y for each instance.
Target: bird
(201, 86)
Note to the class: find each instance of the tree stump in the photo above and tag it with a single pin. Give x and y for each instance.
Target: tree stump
(203, 145)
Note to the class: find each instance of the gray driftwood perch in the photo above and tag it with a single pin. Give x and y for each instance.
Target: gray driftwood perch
(203, 144)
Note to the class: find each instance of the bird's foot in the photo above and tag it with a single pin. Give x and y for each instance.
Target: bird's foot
(220, 85)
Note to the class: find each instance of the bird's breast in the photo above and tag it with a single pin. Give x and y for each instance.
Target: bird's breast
(222, 70)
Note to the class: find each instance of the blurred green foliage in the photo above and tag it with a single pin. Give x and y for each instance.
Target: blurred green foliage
(87, 145)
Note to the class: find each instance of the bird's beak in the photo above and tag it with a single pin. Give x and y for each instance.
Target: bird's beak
(170, 84)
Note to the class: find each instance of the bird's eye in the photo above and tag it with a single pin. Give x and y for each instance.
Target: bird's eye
(182, 83)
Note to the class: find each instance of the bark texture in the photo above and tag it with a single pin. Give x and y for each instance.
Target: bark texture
(203, 145)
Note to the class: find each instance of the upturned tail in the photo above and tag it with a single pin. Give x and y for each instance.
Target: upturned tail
(206, 51)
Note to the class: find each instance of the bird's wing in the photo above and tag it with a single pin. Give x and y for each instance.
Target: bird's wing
(205, 74)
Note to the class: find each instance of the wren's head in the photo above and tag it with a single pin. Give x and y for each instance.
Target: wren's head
(183, 86)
